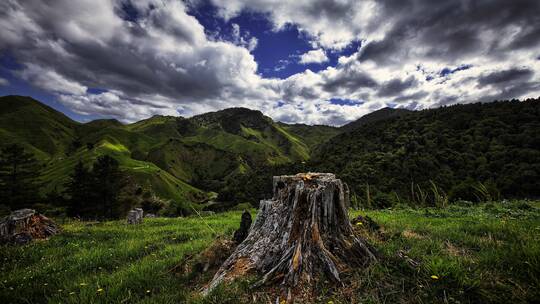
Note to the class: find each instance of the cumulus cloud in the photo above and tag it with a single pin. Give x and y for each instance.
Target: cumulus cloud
(313, 56)
(67, 47)
(3, 82)
(160, 60)
(244, 40)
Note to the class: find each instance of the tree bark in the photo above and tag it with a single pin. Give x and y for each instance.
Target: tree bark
(23, 225)
(301, 235)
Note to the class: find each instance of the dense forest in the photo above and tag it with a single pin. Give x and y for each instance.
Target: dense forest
(470, 152)
(219, 160)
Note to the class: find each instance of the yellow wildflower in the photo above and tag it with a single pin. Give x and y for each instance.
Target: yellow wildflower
(100, 290)
(359, 223)
(148, 291)
(434, 277)
(83, 284)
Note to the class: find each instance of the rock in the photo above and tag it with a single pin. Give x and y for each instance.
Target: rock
(150, 215)
(24, 225)
(21, 238)
(242, 232)
(135, 216)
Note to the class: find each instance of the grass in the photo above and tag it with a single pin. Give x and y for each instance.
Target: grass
(478, 254)
(129, 263)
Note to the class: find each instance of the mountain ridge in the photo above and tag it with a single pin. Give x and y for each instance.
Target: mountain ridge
(177, 158)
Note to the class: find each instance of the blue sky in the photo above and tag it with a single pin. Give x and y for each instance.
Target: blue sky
(315, 62)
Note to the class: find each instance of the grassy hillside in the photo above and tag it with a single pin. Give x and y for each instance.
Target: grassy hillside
(391, 156)
(482, 254)
(166, 155)
(42, 130)
(471, 152)
(312, 136)
(59, 143)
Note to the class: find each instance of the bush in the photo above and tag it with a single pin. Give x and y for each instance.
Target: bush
(464, 191)
(383, 200)
(152, 204)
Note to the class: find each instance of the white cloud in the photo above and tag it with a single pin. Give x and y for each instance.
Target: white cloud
(50, 80)
(332, 24)
(163, 56)
(245, 40)
(164, 63)
(313, 56)
(3, 82)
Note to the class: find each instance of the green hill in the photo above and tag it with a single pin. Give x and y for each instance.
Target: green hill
(173, 157)
(387, 157)
(471, 152)
(59, 143)
(312, 136)
(42, 130)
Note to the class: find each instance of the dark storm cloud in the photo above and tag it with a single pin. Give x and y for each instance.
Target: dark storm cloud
(396, 86)
(452, 29)
(411, 97)
(349, 79)
(512, 90)
(501, 77)
(152, 56)
(150, 50)
(330, 9)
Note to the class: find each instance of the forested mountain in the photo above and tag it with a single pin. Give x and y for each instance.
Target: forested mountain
(373, 117)
(389, 156)
(467, 152)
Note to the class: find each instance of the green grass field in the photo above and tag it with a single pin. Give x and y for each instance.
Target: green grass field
(479, 254)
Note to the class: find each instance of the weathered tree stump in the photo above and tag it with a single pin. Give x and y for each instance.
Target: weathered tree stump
(301, 235)
(135, 216)
(24, 225)
(241, 234)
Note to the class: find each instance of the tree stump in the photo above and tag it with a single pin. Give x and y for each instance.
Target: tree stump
(24, 225)
(242, 232)
(135, 216)
(301, 235)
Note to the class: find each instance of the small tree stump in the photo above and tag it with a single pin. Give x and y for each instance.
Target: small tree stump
(301, 235)
(242, 232)
(135, 216)
(24, 225)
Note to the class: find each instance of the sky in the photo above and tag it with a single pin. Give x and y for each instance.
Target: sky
(303, 61)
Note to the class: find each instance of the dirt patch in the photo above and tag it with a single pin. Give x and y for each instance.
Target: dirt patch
(207, 261)
(454, 250)
(489, 239)
(412, 235)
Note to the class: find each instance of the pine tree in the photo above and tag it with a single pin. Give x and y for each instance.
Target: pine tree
(79, 191)
(108, 182)
(18, 174)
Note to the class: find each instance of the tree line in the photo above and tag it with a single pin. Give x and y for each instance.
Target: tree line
(90, 192)
(466, 152)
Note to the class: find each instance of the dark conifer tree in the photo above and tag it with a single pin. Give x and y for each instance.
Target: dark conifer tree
(18, 175)
(108, 182)
(79, 191)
